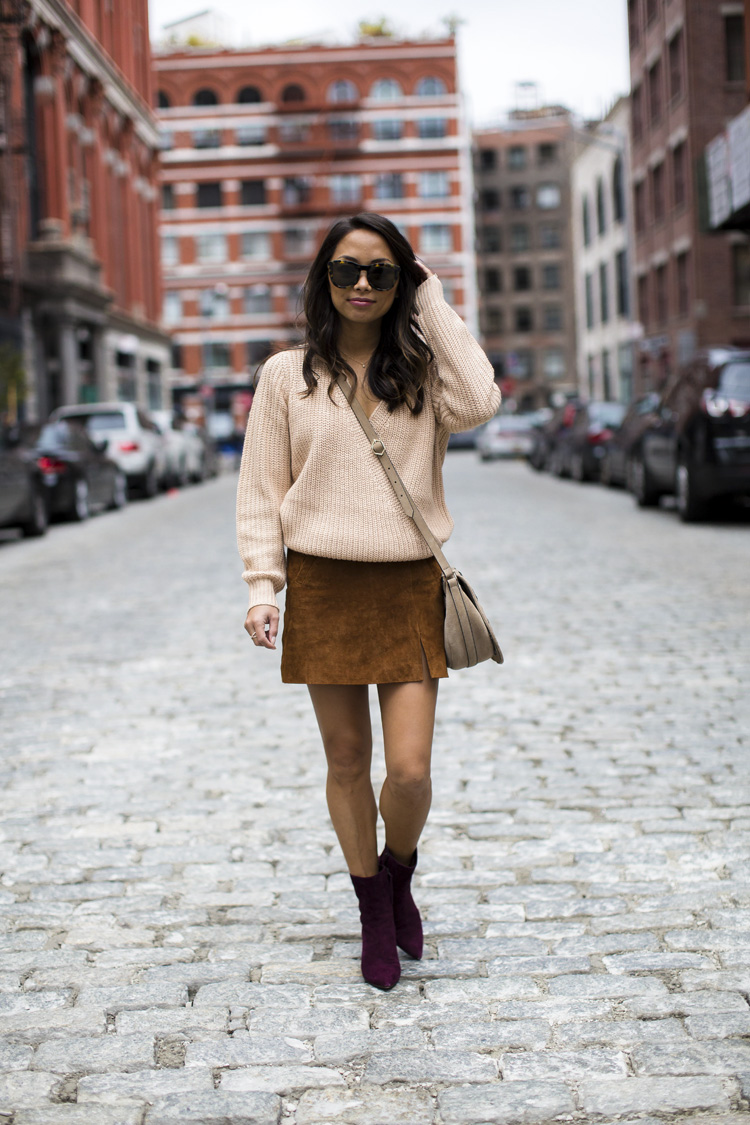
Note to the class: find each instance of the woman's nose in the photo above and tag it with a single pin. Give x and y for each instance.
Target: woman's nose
(362, 282)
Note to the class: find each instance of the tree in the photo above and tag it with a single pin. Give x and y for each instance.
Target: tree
(13, 383)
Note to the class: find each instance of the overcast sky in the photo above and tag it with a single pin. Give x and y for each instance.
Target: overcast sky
(577, 52)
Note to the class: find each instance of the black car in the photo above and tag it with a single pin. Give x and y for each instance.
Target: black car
(698, 444)
(580, 447)
(619, 446)
(23, 497)
(78, 475)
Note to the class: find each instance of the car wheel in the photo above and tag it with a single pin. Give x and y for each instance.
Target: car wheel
(689, 506)
(119, 492)
(81, 507)
(605, 473)
(182, 476)
(646, 496)
(151, 482)
(39, 520)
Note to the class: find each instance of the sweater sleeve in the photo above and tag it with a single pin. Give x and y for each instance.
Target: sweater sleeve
(465, 392)
(264, 480)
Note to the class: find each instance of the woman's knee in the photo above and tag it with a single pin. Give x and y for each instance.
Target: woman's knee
(410, 781)
(348, 757)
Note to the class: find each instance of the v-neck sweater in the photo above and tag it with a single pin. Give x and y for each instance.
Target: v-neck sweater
(309, 480)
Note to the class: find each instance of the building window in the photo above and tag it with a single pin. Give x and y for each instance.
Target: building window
(166, 140)
(205, 97)
(258, 352)
(436, 238)
(490, 240)
(606, 376)
(741, 274)
(618, 191)
(434, 185)
(654, 93)
(493, 320)
(520, 198)
(517, 157)
(586, 220)
(432, 128)
(546, 153)
(487, 159)
(553, 363)
(623, 287)
(294, 132)
(256, 300)
(521, 278)
(662, 296)
(657, 192)
(636, 112)
(601, 217)
(207, 138)
(389, 185)
(170, 250)
(520, 238)
(296, 190)
(679, 186)
(255, 244)
(343, 129)
(209, 195)
(489, 199)
(550, 236)
(249, 95)
(162, 100)
(168, 202)
(342, 91)
(346, 187)
(552, 318)
(639, 192)
(643, 309)
(298, 242)
(176, 356)
(295, 299)
(634, 23)
(675, 67)
(734, 40)
(387, 129)
(247, 135)
(430, 87)
(548, 197)
(493, 280)
(172, 311)
(523, 319)
(216, 355)
(386, 90)
(214, 303)
(591, 375)
(683, 284)
(603, 293)
(589, 300)
(551, 277)
(211, 248)
(253, 193)
(292, 93)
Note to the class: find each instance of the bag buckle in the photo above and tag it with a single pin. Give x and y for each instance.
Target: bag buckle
(377, 447)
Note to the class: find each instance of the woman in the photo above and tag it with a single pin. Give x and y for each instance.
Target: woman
(364, 600)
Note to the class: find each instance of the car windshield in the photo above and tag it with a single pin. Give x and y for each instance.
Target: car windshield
(55, 435)
(735, 381)
(606, 413)
(100, 421)
(510, 422)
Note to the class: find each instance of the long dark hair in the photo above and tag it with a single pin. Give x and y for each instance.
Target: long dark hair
(399, 366)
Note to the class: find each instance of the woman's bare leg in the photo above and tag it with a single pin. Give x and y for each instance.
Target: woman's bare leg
(408, 715)
(343, 714)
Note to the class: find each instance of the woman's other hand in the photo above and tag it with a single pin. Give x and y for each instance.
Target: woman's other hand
(425, 271)
(258, 616)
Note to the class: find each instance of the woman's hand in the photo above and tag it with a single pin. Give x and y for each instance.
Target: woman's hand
(425, 271)
(258, 616)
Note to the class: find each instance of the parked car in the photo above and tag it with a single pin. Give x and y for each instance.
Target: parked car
(698, 444)
(78, 475)
(23, 497)
(466, 439)
(505, 435)
(133, 440)
(618, 447)
(183, 455)
(580, 446)
(548, 451)
(206, 449)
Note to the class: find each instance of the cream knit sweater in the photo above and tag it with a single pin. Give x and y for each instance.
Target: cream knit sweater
(309, 480)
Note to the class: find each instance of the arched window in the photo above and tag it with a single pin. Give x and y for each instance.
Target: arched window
(601, 215)
(292, 93)
(586, 217)
(162, 100)
(618, 191)
(249, 94)
(205, 97)
(386, 90)
(431, 87)
(342, 91)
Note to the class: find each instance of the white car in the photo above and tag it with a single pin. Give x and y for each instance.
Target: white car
(505, 435)
(133, 439)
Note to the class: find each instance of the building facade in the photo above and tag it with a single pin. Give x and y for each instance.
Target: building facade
(606, 329)
(524, 253)
(263, 149)
(727, 161)
(78, 193)
(688, 69)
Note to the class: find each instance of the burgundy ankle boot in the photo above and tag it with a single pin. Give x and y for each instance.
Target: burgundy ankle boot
(405, 913)
(380, 964)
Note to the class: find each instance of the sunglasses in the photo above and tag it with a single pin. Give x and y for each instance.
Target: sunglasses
(380, 275)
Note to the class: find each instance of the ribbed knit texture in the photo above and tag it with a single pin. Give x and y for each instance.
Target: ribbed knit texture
(309, 479)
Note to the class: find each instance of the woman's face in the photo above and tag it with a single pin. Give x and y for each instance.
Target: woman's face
(360, 303)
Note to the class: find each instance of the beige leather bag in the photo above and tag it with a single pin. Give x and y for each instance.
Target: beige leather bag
(468, 634)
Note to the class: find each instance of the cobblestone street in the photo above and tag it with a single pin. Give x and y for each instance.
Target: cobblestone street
(178, 933)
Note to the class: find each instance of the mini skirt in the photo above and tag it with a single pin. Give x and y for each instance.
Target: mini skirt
(362, 622)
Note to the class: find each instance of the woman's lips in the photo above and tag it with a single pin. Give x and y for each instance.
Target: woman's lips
(363, 301)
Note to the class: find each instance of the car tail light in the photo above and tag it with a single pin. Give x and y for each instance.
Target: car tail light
(129, 446)
(738, 408)
(596, 437)
(52, 464)
(718, 405)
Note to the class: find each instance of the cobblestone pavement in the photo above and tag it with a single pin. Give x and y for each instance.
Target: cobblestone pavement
(178, 936)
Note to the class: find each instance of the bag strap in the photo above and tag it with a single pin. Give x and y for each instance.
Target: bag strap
(402, 493)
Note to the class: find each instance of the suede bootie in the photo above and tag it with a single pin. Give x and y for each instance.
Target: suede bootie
(405, 913)
(380, 963)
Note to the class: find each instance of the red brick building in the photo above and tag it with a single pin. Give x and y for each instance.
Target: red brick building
(263, 149)
(78, 190)
(688, 69)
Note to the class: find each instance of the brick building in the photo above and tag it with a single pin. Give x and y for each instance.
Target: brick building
(264, 148)
(688, 68)
(727, 160)
(79, 266)
(524, 253)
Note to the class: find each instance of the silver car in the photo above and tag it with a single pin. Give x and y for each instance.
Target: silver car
(505, 435)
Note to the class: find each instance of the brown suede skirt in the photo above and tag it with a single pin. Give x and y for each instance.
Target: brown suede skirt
(361, 622)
